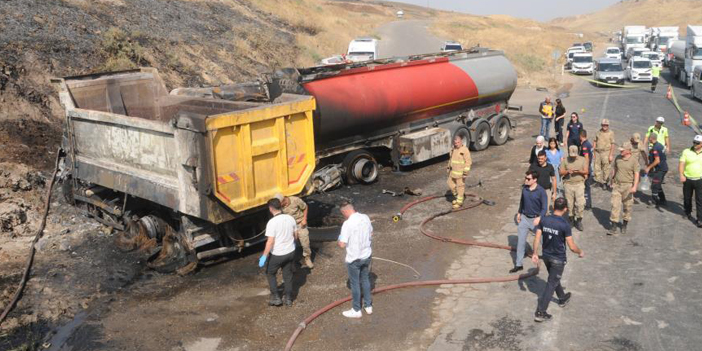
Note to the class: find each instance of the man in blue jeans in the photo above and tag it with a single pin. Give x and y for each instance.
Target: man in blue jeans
(556, 233)
(355, 237)
(532, 207)
(547, 111)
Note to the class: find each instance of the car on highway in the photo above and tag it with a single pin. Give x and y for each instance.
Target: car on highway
(362, 49)
(451, 46)
(570, 52)
(655, 57)
(696, 88)
(582, 63)
(639, 70)
(613, 52)
(609, 70)
(635, 52)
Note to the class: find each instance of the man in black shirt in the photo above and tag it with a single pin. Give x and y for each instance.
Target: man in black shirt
(556, 232)
(546, 175)
(656, 169)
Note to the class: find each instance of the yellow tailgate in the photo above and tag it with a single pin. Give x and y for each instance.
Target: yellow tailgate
(262, 151)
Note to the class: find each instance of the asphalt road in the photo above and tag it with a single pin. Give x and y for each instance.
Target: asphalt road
(407, 37)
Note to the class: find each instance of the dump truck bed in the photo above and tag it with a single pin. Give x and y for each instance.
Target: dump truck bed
(212, 159)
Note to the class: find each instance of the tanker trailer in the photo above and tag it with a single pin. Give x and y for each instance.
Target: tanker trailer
(410, 107)
(184, 176)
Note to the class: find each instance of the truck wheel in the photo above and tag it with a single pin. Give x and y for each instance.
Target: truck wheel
(501, 133)
(170, 257)
(360, 167)
(464, 134)
(482, 137)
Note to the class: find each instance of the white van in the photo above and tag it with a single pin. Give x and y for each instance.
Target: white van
(655, 57)
(582, 63)
(362, 49)
(613, 52)
(639, 70)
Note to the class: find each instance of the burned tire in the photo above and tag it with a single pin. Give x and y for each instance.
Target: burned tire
(501, 133)
(360, 167)
(171, 256)
(482, 137)
(464, 134)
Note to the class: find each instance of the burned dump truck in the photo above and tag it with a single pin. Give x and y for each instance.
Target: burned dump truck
(187, 173)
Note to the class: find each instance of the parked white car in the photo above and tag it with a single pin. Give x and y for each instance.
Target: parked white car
(582, 63)
(451, 46)
(639, 70)
(362, 49)
(571, 52)
(655, 57)
(635, 52)
(613, 52)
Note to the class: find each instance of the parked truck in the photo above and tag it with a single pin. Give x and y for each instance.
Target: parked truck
(661, 37)
(189, 171)
(686, 55)
(633, 37)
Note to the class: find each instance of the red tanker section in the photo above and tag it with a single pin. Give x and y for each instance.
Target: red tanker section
(357, 101)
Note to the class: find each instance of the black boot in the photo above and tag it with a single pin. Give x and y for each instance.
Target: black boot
(624, 227)
(275, 301)
(613, 228)
(661, 199)
(579, 224)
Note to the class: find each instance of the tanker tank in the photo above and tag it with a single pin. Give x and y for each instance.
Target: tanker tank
(359, 101)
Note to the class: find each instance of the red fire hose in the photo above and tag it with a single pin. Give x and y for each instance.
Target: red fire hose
(474, 202)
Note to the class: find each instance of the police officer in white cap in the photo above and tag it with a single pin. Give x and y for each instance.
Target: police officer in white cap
(662, 133)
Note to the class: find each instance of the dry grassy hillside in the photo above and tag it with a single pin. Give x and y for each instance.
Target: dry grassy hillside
(649, 13)
(528, 44)
(192, 43)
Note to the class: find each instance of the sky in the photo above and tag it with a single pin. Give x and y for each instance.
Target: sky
(541, 10)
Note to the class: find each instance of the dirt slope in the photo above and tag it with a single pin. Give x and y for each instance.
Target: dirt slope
(528, 44)
(636, 12)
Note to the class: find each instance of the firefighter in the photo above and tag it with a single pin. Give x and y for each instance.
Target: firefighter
(458, 167)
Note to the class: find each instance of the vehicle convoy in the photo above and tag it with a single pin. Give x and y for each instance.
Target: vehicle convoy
(609, 70)
(362, 49)
(639, 70)
(190, 171)
(633, 37)
(687, 54)
(582, 63)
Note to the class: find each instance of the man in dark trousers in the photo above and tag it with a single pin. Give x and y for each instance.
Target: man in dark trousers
(281, 231)
(546, 175)
(532, 207)
(656, 169)
(556, 234)
(690, 169)
(586, 152)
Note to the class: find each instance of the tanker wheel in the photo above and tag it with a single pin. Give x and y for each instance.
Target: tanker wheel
(172, 255)
(501, 132)
(360, 167)
(482, 139)
(462, 133)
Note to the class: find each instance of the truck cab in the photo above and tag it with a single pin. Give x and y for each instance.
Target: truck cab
(362, 49)
(582, 63)
(696, 88)
(639, 70)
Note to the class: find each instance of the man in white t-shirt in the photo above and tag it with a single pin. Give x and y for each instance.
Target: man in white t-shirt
(355, 237)
(281, 233)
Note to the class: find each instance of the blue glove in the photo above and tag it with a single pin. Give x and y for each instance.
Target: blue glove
(262, 261)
